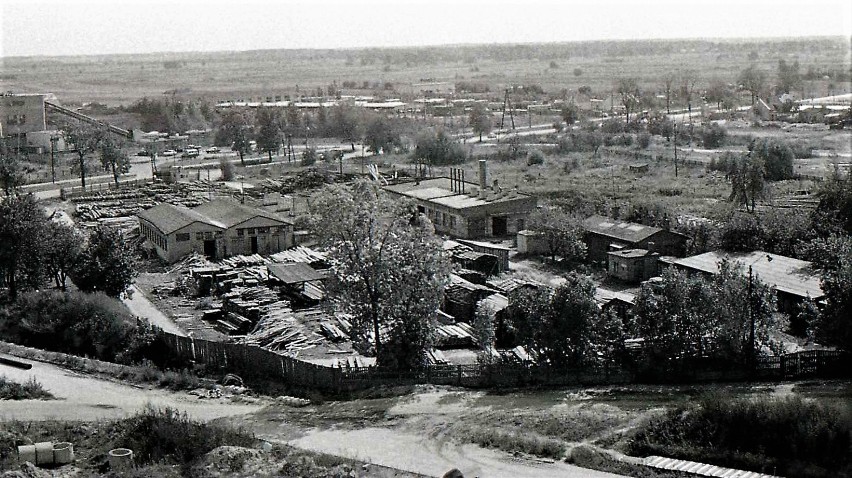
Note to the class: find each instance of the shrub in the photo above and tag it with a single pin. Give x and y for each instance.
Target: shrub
(29, 390)
(789, 436)
(535, 157)
(309, 157)
(644, 140)
(713, 136)
(227, 169)
(168, 435)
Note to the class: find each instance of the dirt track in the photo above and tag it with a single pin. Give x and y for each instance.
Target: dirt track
(82, 397)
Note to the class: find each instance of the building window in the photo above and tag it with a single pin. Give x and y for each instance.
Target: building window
(208, 235)
(452, 221)
(251, 231)
(182, 237)
(199, 236)
(262, 230)
(240, 232)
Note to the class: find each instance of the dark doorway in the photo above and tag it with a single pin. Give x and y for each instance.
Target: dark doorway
(210, 249)
(499, 226)
(254, 245)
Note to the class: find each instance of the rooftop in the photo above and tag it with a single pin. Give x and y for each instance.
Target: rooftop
(631, 253)
(782, 273)
(230, 213)
(169, 218)
(440, 191)
(625, 231)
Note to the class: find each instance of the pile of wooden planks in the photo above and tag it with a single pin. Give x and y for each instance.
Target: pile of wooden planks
(333, 332)
(353, 361)
(457, 335)
(436, 357)
(299, 254)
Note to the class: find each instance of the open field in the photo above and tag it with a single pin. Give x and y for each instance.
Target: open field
(121, 79)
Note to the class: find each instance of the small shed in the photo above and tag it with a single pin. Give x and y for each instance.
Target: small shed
(632, 265)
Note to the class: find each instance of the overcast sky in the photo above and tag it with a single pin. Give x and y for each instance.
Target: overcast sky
(70, 27)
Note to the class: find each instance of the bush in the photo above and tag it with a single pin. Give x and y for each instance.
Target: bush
(227, 169)
(167, 435)
(713, 136)
(29, 390)
(439, 149)
(535, 157)
(309, 157)
(644, 140)
(788, 437)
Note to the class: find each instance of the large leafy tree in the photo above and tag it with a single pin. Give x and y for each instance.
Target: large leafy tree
(833, 256)
(562, 232)
(777, 158)
(382, 135)
(235, 131)
(268, 131)
(480, 120)
(556, 326)
(685, 318)
(106, 264)
(61, 246)
(438, 148)
(747, 174)
(389, 269)
(86, 138)
(113, 157)
(753, 80)
(22, 223)
(11, 175)
(628, 90)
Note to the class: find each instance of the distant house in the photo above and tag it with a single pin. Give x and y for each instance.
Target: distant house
(603, 235)
(793, 280)
(632, 265)
(468, 210)
(216, 229)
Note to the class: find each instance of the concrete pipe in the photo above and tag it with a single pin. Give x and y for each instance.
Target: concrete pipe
(120, 459)
(63, 453)
(27, 453)
(44, 453)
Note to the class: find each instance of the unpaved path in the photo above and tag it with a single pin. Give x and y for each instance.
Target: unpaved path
(140, 306)
(421, 453)
(83, 397)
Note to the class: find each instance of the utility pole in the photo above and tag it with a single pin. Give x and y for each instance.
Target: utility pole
(674, 145)
(53, 140)
(751, 340)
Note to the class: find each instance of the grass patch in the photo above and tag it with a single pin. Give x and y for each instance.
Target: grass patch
(786, 436)
(515, 442)
(29, 390)
(593, 459)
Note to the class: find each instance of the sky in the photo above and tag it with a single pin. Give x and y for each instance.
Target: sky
(87, 27)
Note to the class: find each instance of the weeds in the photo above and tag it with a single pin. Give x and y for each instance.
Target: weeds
(516, 442)
(167, 435)
(29, 390)
(790, 436)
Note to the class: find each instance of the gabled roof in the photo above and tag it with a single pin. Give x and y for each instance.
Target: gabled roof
(782, 273)
(169, 218)
(625, 231)
(230, 213)
(294, 272)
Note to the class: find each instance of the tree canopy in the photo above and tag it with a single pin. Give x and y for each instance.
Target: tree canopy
(389, 269)
(480, 120)
(106, 263)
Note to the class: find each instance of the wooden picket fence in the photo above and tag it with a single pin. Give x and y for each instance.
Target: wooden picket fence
(252, 361)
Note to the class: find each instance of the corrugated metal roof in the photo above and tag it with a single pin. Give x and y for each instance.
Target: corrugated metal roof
(625, 231)
(294, 272)
(439, 191)
(605, 296)
(497, 302)
(782, 273)
(169, 218)
(630, 253)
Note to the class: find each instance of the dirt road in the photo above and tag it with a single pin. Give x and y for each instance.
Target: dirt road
(140, 306)
(422, 453)
(82, 397)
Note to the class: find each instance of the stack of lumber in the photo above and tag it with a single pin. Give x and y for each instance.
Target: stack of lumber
(241, 261)
(436, 357)
(333, 332)
(299, 254)
(353, 361)
(457, 335)
(279, 333)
